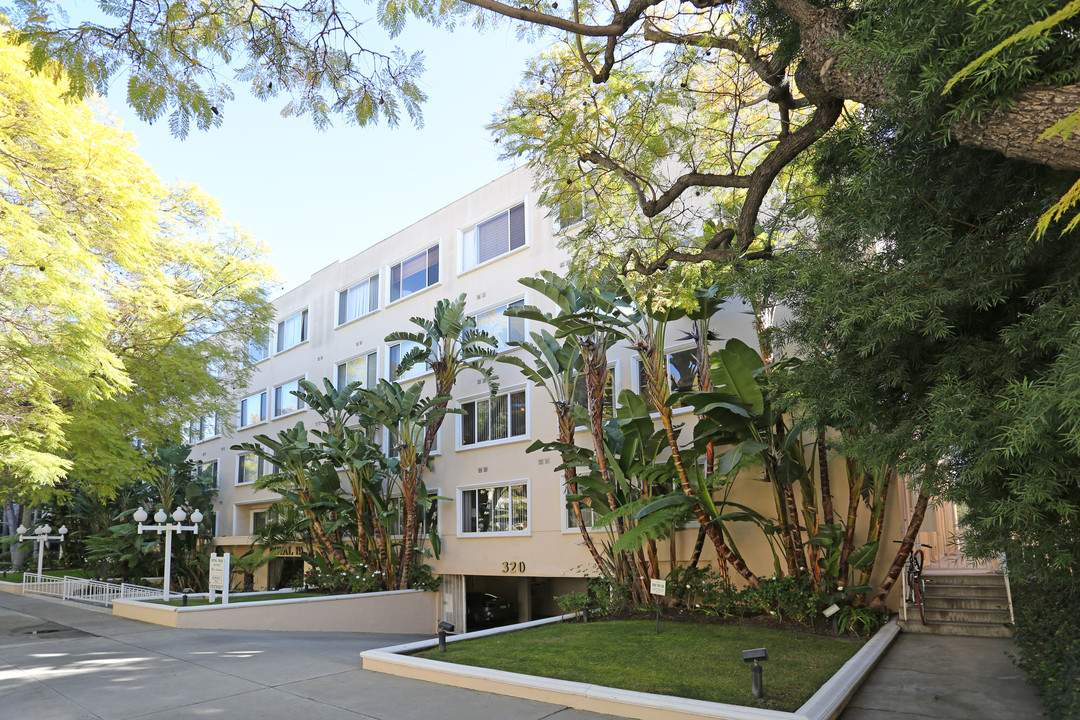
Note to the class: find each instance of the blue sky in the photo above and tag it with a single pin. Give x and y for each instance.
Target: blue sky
(315, 197)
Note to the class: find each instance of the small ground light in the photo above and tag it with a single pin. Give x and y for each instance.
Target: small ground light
(755, 670)
(444, 627)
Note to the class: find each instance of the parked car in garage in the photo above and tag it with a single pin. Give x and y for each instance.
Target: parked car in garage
(484, 608)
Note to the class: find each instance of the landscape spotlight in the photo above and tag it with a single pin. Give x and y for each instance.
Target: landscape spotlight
(444, 627)
(755, 670)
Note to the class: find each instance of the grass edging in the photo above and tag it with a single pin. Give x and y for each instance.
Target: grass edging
(825, 704)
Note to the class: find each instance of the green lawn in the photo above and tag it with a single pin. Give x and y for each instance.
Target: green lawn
(703, 662)
(178, 601)
(17, 577)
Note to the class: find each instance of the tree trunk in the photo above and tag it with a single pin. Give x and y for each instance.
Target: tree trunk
(877, 600)
(856, 478)
(877, 520)
(827, 512)
(565, 414)
(841, 68)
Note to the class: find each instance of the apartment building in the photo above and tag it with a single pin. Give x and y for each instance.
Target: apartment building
(334, 325)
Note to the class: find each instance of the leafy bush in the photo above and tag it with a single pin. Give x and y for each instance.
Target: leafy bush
(1048, 635)
(612, 598)
(340, 582)
(860, 620)
(574, 602)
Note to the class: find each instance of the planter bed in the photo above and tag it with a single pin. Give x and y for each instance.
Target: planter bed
(825, 704)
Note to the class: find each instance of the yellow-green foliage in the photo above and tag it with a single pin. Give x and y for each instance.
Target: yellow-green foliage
(117, 291)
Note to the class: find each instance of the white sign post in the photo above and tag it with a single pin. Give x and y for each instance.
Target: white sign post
(658, 588)
(219, 577)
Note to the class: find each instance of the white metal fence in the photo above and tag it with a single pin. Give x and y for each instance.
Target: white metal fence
(84, 589)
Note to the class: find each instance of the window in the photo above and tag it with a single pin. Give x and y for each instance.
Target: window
(497, 509)
(258, 520)
(392, 444)
(253, 409)
(208, 471)
(284, 400)
(360, 299)
(251, 467)
(292, 331)
(397, 352)
(682, 374)
(587, 514)
(428, 520)
(364, 370)
(415, 274)
(493, 237)
(503, 328)
(203, 429)
(259, 348)
(569, 212)
(491, 419)
(581, 394)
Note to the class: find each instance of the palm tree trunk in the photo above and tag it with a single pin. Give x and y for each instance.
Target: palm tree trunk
(856, 479)
(917, 515)
(827, 512)
(877, 520)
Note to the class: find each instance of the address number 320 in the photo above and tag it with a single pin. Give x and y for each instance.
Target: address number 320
(513, 567)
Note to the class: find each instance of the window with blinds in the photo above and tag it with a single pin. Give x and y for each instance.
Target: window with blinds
(493, 237)
(415, 274)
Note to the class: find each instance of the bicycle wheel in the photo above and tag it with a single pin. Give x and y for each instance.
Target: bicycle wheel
(917, 588)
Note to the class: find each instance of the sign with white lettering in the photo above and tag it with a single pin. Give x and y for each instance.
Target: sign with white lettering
(658, 587)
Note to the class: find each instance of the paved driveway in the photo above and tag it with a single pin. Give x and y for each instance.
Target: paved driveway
(61, 662)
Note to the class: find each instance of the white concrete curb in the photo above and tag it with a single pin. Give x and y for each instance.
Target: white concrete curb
(826, 703)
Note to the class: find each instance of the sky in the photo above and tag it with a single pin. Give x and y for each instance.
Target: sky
(314, 197)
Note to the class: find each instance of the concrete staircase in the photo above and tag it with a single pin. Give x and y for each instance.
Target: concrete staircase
(975, 604)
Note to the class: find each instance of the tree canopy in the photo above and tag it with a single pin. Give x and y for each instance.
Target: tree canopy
(127, 303)
(792, 64)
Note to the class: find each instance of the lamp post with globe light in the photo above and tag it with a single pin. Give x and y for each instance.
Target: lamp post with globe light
(160, 518)
(41, 536)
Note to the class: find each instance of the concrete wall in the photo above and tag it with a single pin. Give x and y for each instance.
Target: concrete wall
(403, 611)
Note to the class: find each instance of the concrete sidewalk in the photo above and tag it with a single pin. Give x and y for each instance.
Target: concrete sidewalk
(68, 662)
(65, 662)
(946, 677)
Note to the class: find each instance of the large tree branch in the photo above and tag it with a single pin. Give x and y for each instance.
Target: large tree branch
(651, 207)
(1016, 131)
(760, 65)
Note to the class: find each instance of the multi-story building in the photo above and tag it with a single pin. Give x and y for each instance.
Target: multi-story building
(334, 325)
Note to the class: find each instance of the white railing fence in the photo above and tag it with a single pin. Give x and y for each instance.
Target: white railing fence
(84, 589)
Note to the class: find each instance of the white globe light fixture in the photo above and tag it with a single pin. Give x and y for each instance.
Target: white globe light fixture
(161, 518)
(41, 536)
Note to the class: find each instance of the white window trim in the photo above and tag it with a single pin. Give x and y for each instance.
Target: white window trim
(377, 274)
(566, 511)
(436, 451)
(527, 482)
(215, 436)
(390, 266)
(460, 264)
(427, 371)
(273, 345)
(274, 413)
(269, 348)
(438, 513)
(236, 478)
(637, 373)
(217, 470)
(240, 410)
(357, 356)
(524, 299)
(461, 447)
